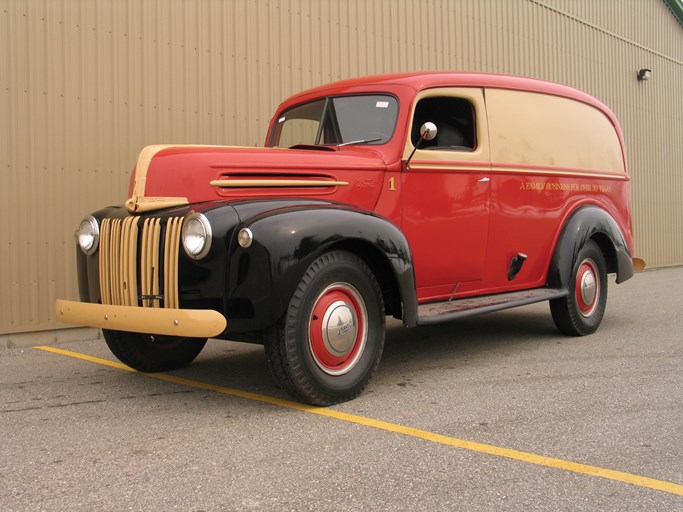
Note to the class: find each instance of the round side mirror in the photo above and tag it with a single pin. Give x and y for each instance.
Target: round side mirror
(428, 131)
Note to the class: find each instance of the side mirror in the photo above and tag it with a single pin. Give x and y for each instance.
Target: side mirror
(427, 132)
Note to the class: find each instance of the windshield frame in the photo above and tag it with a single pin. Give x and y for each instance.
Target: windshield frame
(330, 121)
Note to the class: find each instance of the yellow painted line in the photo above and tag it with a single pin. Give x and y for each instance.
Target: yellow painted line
(539, 460)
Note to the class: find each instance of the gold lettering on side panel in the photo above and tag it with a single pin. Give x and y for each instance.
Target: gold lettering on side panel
(571, 187)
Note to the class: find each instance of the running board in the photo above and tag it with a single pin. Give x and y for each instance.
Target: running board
(437, 312)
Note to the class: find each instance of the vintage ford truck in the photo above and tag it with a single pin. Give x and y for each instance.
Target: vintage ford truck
(428, 197)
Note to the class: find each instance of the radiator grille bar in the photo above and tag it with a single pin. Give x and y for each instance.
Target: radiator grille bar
(131, 261)
(172, 242)
(149, 262)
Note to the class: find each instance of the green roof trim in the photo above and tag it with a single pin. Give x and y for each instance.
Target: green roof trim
(676, 7)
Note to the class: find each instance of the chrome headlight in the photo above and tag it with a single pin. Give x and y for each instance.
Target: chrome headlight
(196, 236)
(88, 235)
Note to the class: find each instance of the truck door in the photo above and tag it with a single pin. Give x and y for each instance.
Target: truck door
(446, 192)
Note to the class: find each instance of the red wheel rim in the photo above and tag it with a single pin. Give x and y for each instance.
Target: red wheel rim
(337, 329)
(587, 287)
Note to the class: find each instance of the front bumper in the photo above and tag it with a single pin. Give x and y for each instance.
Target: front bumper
(196, 323)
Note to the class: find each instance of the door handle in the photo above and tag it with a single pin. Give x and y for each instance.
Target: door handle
(485, 179)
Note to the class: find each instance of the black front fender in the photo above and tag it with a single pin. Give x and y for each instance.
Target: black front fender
(287, 239)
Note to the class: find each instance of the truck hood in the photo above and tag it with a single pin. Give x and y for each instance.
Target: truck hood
(169, 175)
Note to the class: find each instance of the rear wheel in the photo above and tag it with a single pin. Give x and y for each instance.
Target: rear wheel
(581, 312)
(153, 353)
(330, 341)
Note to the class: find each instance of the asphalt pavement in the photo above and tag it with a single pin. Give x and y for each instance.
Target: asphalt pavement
(497, 412)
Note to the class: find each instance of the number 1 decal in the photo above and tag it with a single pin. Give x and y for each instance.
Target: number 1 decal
(392, 184)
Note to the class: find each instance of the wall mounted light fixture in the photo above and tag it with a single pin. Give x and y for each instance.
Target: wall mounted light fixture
(644, 74)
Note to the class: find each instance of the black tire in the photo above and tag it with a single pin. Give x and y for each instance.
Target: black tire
(330, 341)
(275, 358)
(153, 353)
(581, 312)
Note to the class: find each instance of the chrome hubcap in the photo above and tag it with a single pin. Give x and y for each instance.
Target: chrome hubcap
(339, 328)
(588, 287)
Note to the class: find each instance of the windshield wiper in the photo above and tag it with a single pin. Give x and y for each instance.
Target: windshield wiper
(362, 141)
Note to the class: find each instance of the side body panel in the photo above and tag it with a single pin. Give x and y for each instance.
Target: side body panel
(550, 156)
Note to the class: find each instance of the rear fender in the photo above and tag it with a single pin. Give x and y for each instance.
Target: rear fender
(586, 223)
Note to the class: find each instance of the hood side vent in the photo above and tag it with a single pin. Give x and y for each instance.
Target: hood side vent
(299, 181)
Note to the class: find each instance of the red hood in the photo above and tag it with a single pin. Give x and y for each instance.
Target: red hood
(192, 174)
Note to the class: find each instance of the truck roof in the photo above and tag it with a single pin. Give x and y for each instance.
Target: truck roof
(427, 80)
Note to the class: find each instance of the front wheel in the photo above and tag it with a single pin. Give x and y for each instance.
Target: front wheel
(330, 341)
(153, 353)
(581, 312)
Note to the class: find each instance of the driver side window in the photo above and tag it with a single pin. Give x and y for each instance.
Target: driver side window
(454, 120)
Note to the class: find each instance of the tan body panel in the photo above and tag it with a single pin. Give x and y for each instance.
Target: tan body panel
(534, 129)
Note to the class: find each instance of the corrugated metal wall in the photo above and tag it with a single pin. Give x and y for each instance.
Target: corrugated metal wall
(85, 84)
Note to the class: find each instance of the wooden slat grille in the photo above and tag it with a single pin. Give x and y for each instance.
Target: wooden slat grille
(126, 267)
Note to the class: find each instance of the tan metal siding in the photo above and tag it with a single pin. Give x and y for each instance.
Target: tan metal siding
(640, 22)
(85, 84)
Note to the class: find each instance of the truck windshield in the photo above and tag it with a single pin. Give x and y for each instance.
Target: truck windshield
(340, 120)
